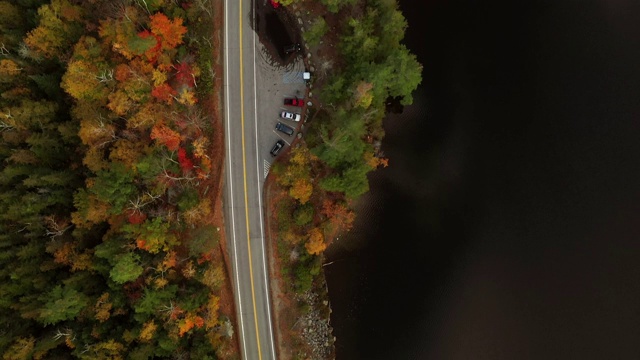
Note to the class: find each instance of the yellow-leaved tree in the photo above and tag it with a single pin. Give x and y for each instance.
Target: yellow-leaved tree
(315, 245)
(301, 190)
(148, 330)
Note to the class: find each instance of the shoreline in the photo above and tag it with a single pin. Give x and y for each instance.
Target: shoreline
(315, 310)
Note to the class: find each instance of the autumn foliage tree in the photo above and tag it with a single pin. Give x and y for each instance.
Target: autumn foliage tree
(186, 96)
(296, 175)
(166, 136)
(58, 28)
(170, 31)
(186, 164)
(81, 79)
(301, 190)
(103, 307)
(8, 69)
(186, 74)
(164, 92)
(186, 325)
(338, 214)
(148, 331)
(315, 244)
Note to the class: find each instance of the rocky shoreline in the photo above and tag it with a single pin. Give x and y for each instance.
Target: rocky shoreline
(315, 324)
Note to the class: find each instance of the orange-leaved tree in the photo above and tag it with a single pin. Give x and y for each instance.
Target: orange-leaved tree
(165, 136)
(171, 32)
(338, 214)
(186, 324)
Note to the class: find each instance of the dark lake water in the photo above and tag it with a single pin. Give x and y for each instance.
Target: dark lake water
(507, 225)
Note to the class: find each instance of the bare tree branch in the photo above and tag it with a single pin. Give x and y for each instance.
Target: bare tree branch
(142, 201)
(55, 229)
(4, 50)
(105, 76)
(204, 6)
(65, 333)
(4, 126)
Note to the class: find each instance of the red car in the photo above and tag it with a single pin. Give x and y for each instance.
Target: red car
(294, 102)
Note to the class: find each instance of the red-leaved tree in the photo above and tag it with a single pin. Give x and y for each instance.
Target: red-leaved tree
(164, 92)
(184, 74)
(136, 217)
(185, 163)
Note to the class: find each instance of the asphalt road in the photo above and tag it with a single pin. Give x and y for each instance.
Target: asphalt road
(254, 90)
(243, 185)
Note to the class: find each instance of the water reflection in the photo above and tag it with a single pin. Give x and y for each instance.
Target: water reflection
(505, 226)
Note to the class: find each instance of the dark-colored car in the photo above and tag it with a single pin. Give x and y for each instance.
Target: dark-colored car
(277, 147)
(292, 48)
(294, 102)
(284, 128)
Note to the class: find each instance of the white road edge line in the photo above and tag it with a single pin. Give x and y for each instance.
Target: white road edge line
(228, 131)
(264, 261)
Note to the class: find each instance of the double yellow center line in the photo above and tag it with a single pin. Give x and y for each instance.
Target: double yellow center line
(244, 175)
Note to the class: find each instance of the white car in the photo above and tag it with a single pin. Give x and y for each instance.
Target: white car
(290, 116)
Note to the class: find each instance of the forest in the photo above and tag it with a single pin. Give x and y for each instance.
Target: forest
(106, 245)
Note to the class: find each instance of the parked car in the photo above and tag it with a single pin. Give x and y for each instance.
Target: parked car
(277, 147)
(290, 116)
(284, 128)
(294, 102)
(292, 48)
